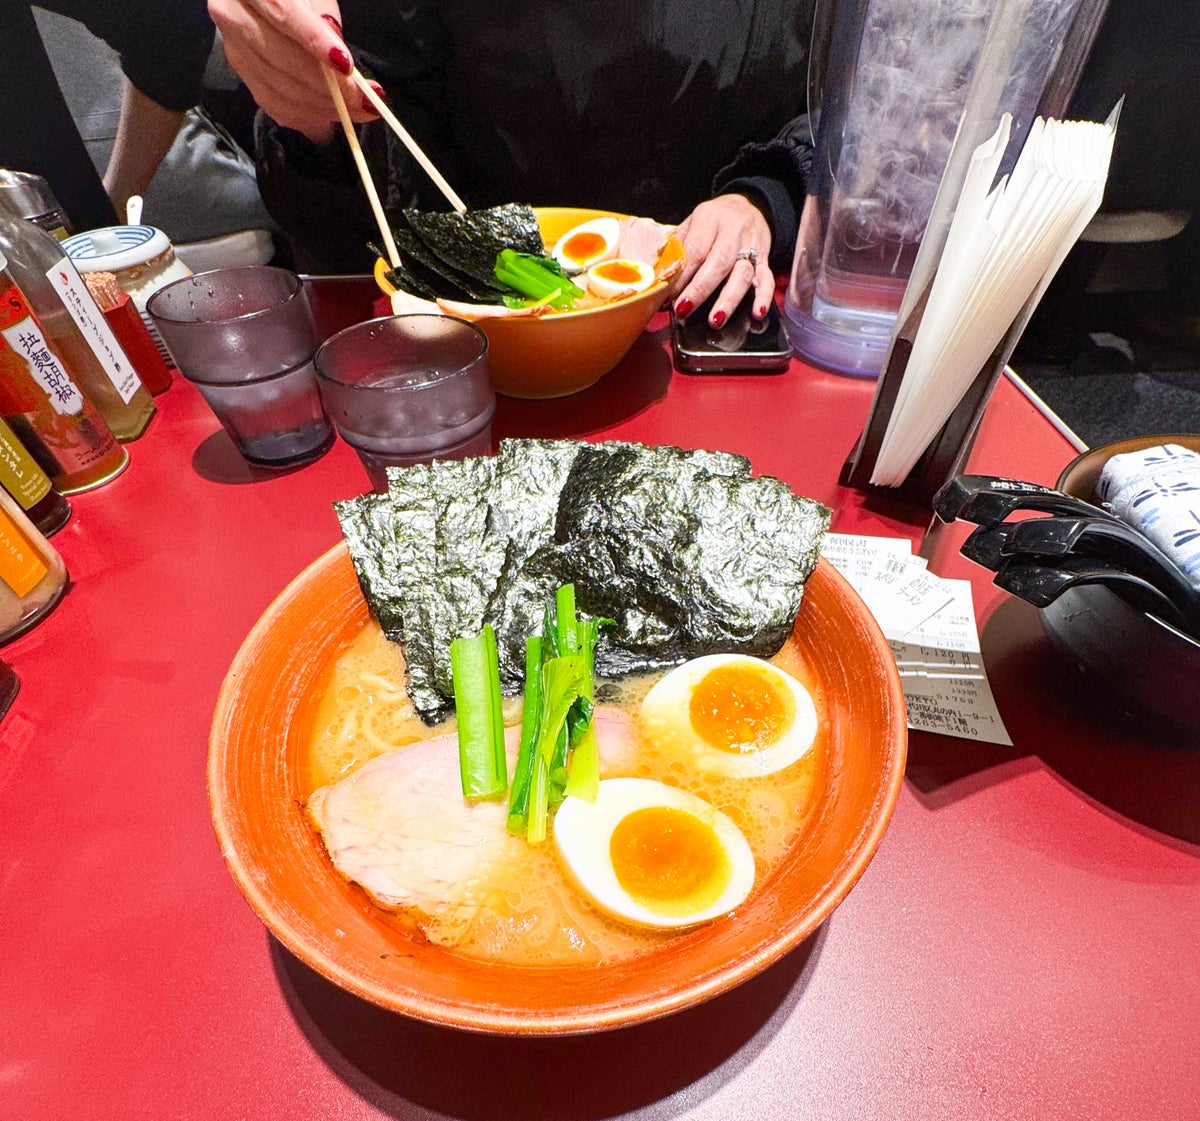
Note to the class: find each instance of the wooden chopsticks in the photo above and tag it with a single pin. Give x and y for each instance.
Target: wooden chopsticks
(360, 160)
(414, 148)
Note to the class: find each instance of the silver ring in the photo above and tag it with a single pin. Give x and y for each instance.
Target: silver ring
(750, 255)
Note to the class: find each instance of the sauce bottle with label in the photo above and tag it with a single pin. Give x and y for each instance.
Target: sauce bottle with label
(57, 424)
(29, 486)
(75, 326)
(32, 574)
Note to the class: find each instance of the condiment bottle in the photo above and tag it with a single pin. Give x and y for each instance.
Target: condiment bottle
(29, 196)
(140, 257)
(59, 426)
(32, 574)
(29, 486)
(131, 331)
(70, 317)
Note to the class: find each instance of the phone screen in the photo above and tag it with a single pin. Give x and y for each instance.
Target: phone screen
(741, 344)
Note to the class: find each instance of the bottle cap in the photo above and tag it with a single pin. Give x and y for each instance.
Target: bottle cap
(113, 248)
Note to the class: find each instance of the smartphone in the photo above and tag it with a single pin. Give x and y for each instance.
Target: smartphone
(742, 345)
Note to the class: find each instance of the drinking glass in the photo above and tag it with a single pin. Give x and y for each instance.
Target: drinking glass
(245, 337)
(407, 389)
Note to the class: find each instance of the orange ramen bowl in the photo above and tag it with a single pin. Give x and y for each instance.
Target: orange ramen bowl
(260, 730)
(560, 353)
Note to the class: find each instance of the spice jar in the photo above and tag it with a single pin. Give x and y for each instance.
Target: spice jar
(140, 257)
(58, 425)
(32, 574)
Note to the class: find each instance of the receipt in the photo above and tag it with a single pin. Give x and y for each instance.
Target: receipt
(930, 625)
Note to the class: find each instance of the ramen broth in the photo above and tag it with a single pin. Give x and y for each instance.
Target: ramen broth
(532, 914)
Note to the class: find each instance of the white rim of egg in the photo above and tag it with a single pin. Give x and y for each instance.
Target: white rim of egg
(609, 231)
(665, 718)
(606, 288)
(583, 829)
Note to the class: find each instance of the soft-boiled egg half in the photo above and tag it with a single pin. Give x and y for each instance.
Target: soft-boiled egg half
(619, 277)
(653, 854)
(587, 244)
(731, 715)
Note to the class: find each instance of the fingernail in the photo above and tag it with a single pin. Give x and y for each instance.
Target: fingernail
(760, 312)
(368, 106)
(339, 59)
(332, 20)
(684, 308)
(718, 319)
(379, 90)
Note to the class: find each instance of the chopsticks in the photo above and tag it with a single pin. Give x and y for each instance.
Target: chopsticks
(360, 161)
(413, 147)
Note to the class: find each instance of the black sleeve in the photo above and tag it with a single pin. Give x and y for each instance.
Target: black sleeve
(164, 44)
(39, 134)
(774, 176)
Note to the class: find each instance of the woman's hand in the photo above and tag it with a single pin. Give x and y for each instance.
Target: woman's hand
(278, 48)
(727, 240)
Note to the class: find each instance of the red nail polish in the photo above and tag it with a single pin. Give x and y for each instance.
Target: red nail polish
(684, 308)
(333, 22)
(368, 107)
(718, 319)
(339, 59)
(760, 312)
(380, 92)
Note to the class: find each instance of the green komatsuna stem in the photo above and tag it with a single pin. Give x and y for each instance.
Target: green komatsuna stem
(481, 760)
(518, 804)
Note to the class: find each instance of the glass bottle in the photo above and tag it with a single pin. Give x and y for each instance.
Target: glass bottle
(29, 486)
(58, 425)
(30, 196)
(75, 326)
(32, 574)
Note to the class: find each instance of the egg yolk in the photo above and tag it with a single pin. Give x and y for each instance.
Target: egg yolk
(620, 272)
(669, 860)
(740, 707)
(583, 246)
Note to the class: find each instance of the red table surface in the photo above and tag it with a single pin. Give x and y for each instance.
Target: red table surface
(1025, 944)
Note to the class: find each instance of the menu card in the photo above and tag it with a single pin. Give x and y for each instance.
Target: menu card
(929, 623)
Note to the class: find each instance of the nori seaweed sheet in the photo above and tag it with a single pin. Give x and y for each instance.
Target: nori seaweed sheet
(685, 550)
(433, 273)
(470, 242)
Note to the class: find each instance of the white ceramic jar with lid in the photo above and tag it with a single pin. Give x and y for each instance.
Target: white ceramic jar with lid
(140, 257)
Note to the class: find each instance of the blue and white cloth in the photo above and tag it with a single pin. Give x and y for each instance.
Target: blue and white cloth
(1157, 491)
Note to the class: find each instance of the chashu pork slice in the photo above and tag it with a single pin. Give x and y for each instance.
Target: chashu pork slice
(401, 829)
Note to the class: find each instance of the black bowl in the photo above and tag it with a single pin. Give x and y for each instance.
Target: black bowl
(1148, 662)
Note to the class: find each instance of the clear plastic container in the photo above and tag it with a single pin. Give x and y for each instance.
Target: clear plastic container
(899, 74)
(32, 574)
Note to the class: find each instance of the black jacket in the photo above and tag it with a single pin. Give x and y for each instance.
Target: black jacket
(639, 106)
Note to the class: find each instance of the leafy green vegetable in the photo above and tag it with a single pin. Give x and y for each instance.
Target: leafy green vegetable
(558, 750)
(539, 278)
(482, 765)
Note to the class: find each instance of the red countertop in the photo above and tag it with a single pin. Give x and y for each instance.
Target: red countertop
(1025, 944)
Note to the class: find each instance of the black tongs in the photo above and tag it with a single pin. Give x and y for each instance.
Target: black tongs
(1115, 543)
(989, 499)
(1040, 558)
